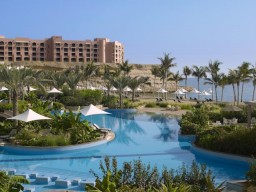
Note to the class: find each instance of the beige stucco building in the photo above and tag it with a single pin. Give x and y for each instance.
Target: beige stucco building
(58, 50)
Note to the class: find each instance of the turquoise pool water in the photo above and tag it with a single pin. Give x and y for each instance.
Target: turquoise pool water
(153, 138)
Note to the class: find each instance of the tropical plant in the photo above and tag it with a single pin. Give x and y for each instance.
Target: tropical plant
(213, 68)
(136, 82)
(245, 75)
(186, 72)
(198, 72)
(16, 79)
(125, 68)
(11, 183)
(223, 81)
(155, 72)
(166, 63)
(88, 71)
(72, 80)
(253, 71)
(235, 77)
(176, 77)
(119, 83)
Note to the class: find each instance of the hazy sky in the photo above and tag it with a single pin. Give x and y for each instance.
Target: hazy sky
(192, 31)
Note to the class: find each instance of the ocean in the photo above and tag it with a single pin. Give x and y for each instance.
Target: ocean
(227, 93)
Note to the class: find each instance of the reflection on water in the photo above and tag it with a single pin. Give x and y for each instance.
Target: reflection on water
(166, 133)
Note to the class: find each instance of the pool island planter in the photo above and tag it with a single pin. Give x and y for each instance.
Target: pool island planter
(34, 150)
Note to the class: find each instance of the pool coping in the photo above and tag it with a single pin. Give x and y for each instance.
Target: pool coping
(198, 150)
(38, 150)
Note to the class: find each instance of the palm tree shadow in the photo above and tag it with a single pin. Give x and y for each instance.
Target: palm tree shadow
(167, 133)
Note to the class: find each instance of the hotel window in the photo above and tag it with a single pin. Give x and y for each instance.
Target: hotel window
(65, 54)
(81, 60)
(73, 49)
(65, 59)
(26, 48)
(18, 48)
(73, 54)
(65, 49)
(65, 45)
(73, 59)
(80, 45)
(80, 50)
(34, 59)
(33, 49)
(33, 44)
(73, 44)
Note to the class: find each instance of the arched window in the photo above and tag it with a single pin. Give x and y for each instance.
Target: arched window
(34, 44)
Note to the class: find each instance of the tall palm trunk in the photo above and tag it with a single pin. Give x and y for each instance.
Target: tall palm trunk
(15, 105)
(222, 90)
(212, 92)
(154, 88)
(198, 87)
(216, 94)
(10, 96)
(242, 92)
(234, 93)
(120, 100)
(186, 79)
(237, 101)
(253, 92)
(133, 95)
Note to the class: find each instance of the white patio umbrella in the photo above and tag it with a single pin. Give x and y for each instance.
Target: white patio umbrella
(183, 90)
(30, 88)
(3, 89)
(205, 93)
(54, 91)
(29, 115)
(92, 110)
(194, 91)
(113, 88)
(103, 88)
(91, 88)
(127, 89)
(179, 92)
(138, 89)
(162, 91)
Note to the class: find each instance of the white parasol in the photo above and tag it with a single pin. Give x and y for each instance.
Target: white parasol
(92, 110)
(29, 115)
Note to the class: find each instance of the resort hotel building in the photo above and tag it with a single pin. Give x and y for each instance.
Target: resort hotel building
(58, 50)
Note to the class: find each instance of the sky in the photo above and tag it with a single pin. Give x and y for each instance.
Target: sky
(192, 31)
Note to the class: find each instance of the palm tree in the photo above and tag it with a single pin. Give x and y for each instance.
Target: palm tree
(186, 72)
(213, 68)
(136, 82)
(246, 75)
(72, 79)
(88, 71)
(222, 83)
(235, 77)
(155, 71)
(15, 79)
(198, 72)
(166, 64)
(120, 83)
(55, 79)
(176, 78)
(253, 71)
(125, 68)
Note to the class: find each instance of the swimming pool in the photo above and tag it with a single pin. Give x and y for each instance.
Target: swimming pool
(153, 138)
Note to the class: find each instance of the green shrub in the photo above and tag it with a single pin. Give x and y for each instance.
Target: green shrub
(150, 104)
(90, 96)
(162, 104)
(251, 174)
(194, 121)
(57, 106)
(110, 101)
(229, 139)
(71, 101)
(5, 106)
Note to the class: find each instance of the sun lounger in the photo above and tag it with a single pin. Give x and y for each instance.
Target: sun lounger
(99, 128)
(11, 134)
(62, 183)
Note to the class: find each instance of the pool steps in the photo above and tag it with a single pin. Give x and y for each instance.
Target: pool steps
(45, 180)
